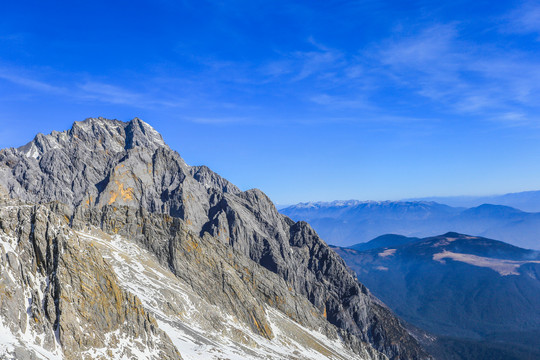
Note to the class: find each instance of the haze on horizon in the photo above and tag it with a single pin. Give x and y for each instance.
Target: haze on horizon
(308, 102)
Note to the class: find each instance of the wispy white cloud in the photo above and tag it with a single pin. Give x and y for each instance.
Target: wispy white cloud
(437, 64)
(89, 90)
(220, 120)
(119, 95)
(276, 69)
(336, 101)
(110, 93)
(321, 63)
(513, 118)
(378, 122)
(524, 20)
(428, 46)
(13, 76)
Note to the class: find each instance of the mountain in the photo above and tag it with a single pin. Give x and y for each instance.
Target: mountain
(384, 241)
(343, 223)
(458, 287)
(115, 248)
(526, 200)
(348, 222)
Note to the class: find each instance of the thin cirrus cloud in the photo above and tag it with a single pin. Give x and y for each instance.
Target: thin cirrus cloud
(87, 91)
(525, 19)
(150, 93)
(118, 95)
(12, 76)
(320, 63)
(440, 65)
(225, 120)
(356, 101)
(109, 93)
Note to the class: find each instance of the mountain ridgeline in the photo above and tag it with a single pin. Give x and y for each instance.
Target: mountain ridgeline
(229, 249)
(528, 201)
(344, 223)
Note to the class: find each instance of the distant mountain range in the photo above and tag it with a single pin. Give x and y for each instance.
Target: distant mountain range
(344, 223)
(526, 200)
(458, 287)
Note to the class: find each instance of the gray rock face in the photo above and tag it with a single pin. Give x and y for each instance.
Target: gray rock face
(61, 297)
(123, 179)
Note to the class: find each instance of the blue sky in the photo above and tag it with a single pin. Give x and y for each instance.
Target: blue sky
(306, 100)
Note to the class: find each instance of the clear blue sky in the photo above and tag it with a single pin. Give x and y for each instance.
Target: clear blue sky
(306, 100)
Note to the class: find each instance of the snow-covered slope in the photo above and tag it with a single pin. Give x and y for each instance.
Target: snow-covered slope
(199, 329)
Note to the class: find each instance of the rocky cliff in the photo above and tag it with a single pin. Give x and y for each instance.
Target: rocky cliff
(237, 271)
(60, 299)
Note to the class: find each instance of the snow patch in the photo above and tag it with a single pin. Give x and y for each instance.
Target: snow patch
(388, 252)
(126, 348)
(32, 152)
(7, 341)
(503, 267)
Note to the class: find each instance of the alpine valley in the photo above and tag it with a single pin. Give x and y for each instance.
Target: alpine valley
(112, 247)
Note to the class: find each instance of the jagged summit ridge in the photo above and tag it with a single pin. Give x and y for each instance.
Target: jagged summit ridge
(122, 179)
(86, 165)
(111, 135)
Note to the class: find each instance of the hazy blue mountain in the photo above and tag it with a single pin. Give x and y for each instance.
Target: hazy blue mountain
(384, 241)
(348, 222)
(458, 287)
(344, 223)
(525, 200)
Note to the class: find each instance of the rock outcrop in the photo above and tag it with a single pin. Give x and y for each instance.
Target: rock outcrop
(59, 294)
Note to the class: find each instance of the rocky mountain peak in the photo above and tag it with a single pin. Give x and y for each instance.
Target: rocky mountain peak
(97, 159)
(99, 133)
(139, 133)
